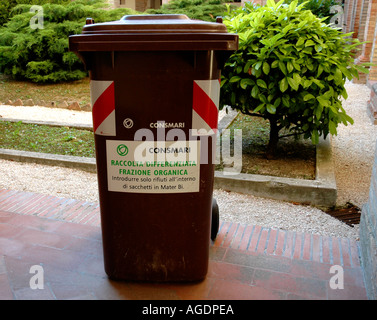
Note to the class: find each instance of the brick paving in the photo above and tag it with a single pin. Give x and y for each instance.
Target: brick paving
(247, 262)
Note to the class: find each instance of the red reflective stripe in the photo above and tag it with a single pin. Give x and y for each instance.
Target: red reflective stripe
(104, 105)
(204, 107)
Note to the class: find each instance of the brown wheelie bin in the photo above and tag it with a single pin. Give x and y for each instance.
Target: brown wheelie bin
(155, 82)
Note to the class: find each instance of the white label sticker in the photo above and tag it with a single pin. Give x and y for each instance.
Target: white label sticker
(153, 166)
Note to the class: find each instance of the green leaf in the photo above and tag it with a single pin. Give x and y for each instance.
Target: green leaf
(292, 83)
(246, 82)
(320, 70)
(258, 65)
(338, 76)
(277, 102)
(289, 66)
(332, 128)
(261, 84)
(274, 64)
(247, 66)
(260, 107)
(323, 101)
(266, 67)
(309, 43)
(345, 94)
(308, 97)
(283, 85)
(282, 67)
(297, 78)
(234, 79)
(300, 42)
(255, 91)
(271, 108)
(318, 112)
(315, 137)
(361, 69)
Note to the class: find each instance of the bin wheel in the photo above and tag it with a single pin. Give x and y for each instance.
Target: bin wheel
(215, 220)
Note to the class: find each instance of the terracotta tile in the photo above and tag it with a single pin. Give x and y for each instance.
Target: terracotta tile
(348, 293)
(272, 239)
(228, 290)
(262, 243)
(326, 250)
(229, 236)
(92, 265)
(70, 212)
(147, 291)
(298, 243)
(254, 239)
(312, 269)
(5, 216)
(9, 231)
(336, 253)
(227, 271)
(42, 238)
(80, 231)
(37, 294)
(37, 223)
(217, 253)
(93, 218)
(15, 202)
(354, 277)
(258, 261)
(28, 207)
(346, 253)
(62, 259)
(237, 237)
(317, 247)
(5, 289)
(19, 275)
(193, 291)
(305, 287)
(278, 265)
(246, 238)
(10, 247)
(355, 257)
(71, 291)
(280, 242)
(289, 245)
(307, 248)
(53, 206)
(223, 230)
(87, 213)
(3, 268)
(86, 246)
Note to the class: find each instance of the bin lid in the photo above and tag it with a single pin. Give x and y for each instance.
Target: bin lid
(153, 33)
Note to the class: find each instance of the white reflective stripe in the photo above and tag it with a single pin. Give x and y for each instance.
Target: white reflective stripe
(212, 89)
(97, 88)
(107, 127)
(199, 126)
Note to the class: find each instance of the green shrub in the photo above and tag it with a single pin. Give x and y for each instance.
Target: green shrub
(321, 8)
(290, 69)
(206, 10)
(6, 7)
(41, 55)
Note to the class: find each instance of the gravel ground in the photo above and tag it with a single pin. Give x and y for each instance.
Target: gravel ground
(353, 151)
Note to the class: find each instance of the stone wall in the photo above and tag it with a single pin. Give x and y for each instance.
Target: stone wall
(368, 237)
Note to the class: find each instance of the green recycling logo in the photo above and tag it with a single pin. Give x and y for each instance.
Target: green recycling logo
(122, 150)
